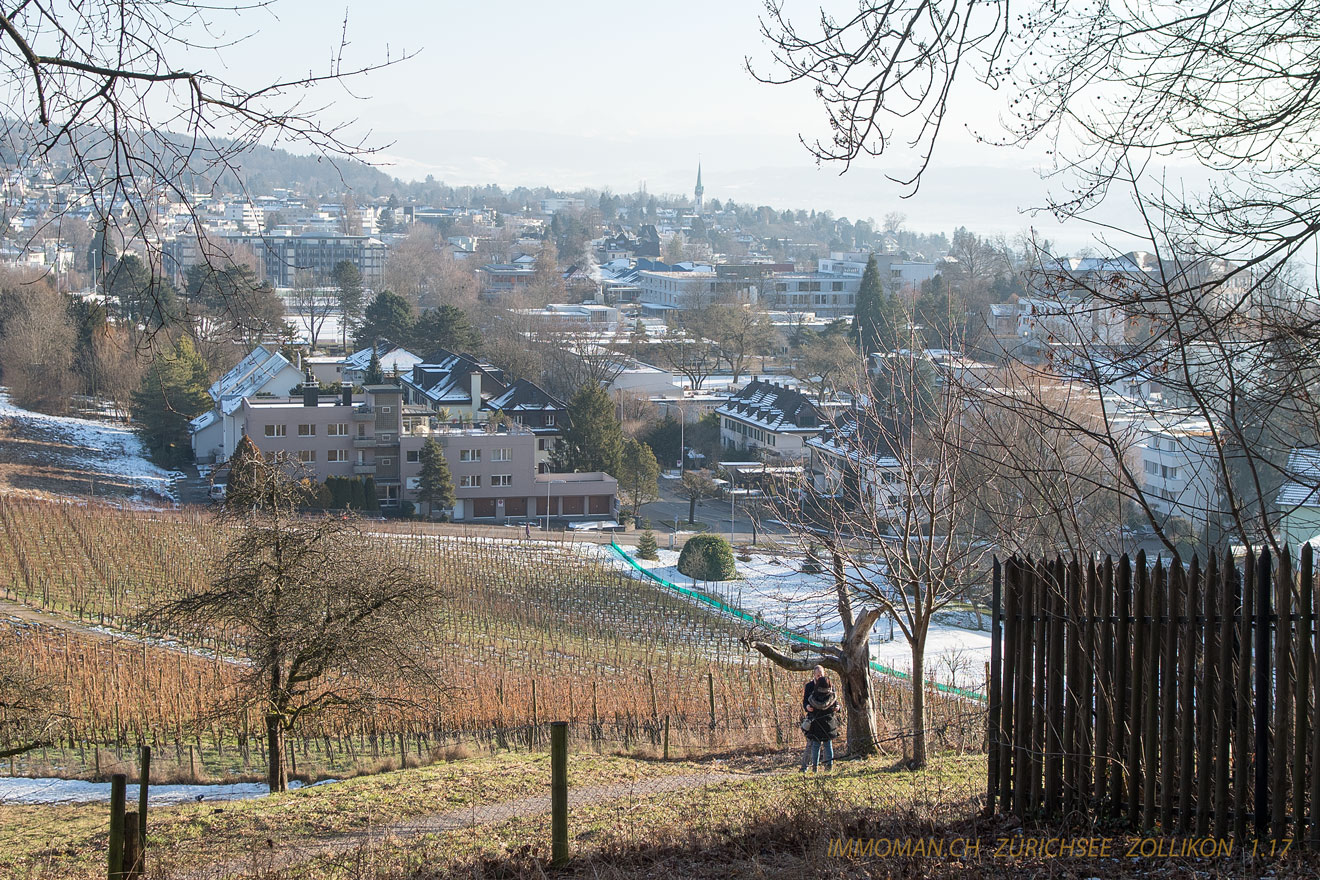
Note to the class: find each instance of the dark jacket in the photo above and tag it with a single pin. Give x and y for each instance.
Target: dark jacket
(823, 714)
(806, 694)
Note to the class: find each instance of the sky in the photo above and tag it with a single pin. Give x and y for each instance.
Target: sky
(609, 95)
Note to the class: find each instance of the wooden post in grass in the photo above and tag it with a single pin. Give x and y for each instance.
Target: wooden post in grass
(559, 793)
(666, 737)
(710, 687)
(144, 783)
(132, 861)
(115, 868)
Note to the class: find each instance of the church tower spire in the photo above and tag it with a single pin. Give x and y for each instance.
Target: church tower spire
(700, 190)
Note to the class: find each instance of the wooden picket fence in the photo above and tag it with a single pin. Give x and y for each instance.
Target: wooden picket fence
(1158, 696)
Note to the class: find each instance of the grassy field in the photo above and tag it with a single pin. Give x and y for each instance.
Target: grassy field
(316, 825)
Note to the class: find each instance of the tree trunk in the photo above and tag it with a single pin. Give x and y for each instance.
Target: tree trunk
(276, 777)
(692, 509)
(860, 704)
(918, 702)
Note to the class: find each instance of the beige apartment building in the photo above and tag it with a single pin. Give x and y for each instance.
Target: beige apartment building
(375, 434)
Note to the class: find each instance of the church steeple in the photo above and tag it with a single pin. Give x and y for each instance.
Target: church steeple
(700, 189)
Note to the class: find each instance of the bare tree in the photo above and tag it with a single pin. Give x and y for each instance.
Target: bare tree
(28, 716)
(694, 486)
(109, 90)
(683, 349)
(741, 332)
(314, 300)
(323, 615)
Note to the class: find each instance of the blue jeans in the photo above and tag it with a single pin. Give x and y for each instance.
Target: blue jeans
(816, 751)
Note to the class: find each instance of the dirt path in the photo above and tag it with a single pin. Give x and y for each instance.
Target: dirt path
(266, 861)
(28, 614)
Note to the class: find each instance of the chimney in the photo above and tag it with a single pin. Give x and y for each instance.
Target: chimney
(475, 378)
(347, 390)
(311, 394)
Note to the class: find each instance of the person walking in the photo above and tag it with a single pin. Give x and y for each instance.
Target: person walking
(821, 725)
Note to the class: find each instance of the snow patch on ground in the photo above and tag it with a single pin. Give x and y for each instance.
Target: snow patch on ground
(27, 790)
(774, 588)
(101, 448)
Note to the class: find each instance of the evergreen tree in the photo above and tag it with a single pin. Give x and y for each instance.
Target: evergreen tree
(444, 327)
(357, 497)
(875, 319)
(370, 500)
(348, 288)
(435, 485)
(646, 546)
(339, 494)
(143, 296)
(707, 558)
(374, 375)
(593, 440)
(388, 318)
(173, 391)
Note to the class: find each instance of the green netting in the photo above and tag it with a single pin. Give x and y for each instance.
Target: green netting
(738, 613)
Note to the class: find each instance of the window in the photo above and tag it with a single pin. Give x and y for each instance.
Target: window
(836, 285)
(384, 409)
(307, 455)
(549, 420)
(505, 454)
(501, 480)
(1152, 467)
(276, 430)
(469, 481)
(469, 455)
(307, 430)
(337, 455)
(337, 430)
(385, 462)
(414, 455)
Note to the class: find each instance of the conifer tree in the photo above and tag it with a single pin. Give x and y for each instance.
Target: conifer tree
(435, 485)
(374, 375)
(593, 440)
(646, 546)
(875, 319)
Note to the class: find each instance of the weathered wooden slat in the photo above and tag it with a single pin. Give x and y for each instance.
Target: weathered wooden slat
(1242, 742)
(1086, 708)
(1171, 608)
(1040, 605)
(1284, 681)
(1022, 691)
(1072, 684)
(994, 688)
(1226, 680)
(1189, 644)
(1104, 704)
(1007, 729)
(1301, 708)
(1260, 801)
(1150, 713)
(1137, 706)
(1054, 691)
(1121, 784)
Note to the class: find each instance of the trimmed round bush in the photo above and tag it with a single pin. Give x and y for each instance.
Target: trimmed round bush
(707, 558)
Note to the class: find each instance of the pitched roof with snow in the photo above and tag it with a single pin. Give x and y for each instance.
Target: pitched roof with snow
(524, 396)
(445, 379)
(250, 377)
(390, 358)
(773, 407)
(1303, 489)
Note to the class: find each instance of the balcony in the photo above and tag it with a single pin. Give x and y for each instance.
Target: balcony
(364, 469)
(364, 442)
(364, 414)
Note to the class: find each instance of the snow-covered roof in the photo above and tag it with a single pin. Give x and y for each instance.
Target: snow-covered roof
(250, 377)
(773, 407)
(390, 359)
(1303, 489)
(524, 396)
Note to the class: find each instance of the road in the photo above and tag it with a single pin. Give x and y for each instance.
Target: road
(714, 512)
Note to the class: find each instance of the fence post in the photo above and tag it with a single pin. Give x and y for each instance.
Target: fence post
(666, 737)
(993, 691)
(559, 793)
(115, 865)
(1263, 613)
(144, 783)
(710, 687)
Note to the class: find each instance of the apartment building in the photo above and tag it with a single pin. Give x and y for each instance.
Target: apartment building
(770, 417)
(377, 434)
